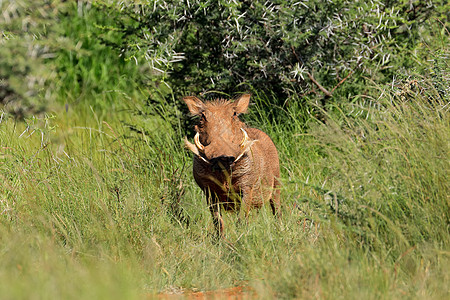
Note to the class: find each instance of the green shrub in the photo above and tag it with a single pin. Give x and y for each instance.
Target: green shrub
(285, 47)
(50, 53)
(26, 29)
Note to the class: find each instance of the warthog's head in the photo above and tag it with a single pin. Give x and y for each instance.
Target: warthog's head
(221, 139)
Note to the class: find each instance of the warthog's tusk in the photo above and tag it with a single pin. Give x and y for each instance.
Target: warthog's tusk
(245, 145)
(197, 143)
(191, 146)
(244, 139)
(245, 149)
(194, 149)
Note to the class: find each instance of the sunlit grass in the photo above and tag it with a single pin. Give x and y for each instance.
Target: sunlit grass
(89, 210)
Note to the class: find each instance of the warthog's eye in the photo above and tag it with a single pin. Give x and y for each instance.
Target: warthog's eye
(202, 120)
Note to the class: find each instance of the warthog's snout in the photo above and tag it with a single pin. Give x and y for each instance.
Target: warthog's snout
(222, 162)
(235, 166)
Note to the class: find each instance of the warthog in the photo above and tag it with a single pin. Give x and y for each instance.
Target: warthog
(235, 166)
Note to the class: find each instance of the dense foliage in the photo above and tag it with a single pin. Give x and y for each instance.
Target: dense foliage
(287, 48)
(29, 34)
(49, 52)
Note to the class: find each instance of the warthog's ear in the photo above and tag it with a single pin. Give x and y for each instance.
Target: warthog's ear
(241, 104)
(195, 105)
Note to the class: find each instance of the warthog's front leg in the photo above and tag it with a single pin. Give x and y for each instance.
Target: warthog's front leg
(214, 208)
(217, 219)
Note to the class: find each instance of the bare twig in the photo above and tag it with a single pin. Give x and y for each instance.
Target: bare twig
(311, 77)
(296, 56)
(443, 25)
(324, 90)
(342, 81)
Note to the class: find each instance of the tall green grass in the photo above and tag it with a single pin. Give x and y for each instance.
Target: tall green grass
(90, 210)
(384, 194)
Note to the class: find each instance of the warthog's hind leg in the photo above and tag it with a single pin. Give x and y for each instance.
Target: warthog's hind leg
(275, 203)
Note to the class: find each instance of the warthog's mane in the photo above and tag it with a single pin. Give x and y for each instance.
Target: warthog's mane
(218, 102)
